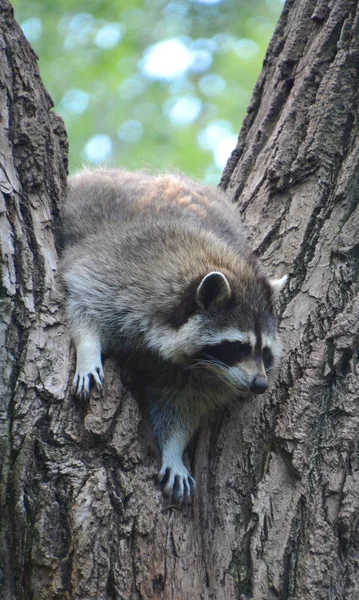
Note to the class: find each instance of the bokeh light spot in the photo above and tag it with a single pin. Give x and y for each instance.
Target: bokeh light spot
(184, 110)
(166, 60)
(224, 149)
(75, 101)
(109, 35)
(209, 137)
(98, 149)
(130, 131)
(32, 29)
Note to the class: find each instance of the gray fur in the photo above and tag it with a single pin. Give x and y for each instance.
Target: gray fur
(157, 269)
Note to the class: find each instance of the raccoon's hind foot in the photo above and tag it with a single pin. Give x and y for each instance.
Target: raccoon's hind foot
(177, 482)
(89, 369)
(173, 476)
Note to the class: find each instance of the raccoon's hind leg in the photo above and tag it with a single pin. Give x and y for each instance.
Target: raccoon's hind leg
(173, 435)
(89, 369)
(175, 477)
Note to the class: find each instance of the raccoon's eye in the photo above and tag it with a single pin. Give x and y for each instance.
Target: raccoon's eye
(227, 352)
(267, 358)
(241, 350)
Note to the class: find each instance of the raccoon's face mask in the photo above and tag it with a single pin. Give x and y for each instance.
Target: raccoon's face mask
(236, 364)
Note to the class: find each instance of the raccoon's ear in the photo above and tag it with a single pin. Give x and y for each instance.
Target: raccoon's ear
(277, 285)
(214, 290)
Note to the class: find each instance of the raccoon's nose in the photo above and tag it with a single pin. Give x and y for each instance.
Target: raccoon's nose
(258, 385)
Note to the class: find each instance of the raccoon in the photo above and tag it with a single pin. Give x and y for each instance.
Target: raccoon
(157, 270)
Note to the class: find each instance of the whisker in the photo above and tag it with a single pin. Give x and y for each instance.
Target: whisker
(222, 371)
(216, 361)
(200, 363)
(218, 375)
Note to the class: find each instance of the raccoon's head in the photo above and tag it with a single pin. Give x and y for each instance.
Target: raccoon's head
(229, 330)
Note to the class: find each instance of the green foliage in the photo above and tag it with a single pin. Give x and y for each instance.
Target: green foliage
(97, 60)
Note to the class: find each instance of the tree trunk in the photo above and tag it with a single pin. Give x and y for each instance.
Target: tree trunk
(276, 515)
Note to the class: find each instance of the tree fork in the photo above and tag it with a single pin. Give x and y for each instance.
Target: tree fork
(278, 493)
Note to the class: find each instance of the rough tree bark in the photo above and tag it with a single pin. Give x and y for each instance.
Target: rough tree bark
(276, 516)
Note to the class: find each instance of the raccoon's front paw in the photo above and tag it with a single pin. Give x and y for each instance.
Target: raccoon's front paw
(177, 482)
(84, 381)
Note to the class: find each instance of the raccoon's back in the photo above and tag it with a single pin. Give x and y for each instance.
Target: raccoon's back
(109, 198)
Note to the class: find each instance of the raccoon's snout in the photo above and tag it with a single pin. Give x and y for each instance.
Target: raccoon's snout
(258, 385)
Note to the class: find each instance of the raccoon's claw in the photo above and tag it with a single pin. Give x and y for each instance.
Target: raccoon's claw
(84, 382)
(177, 483)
